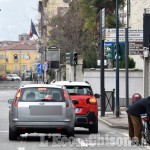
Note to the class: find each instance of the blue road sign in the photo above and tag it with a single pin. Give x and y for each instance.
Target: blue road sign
(39, 68)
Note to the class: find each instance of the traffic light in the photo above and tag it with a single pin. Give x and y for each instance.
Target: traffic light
(121, 51)
(110, 51)
(75, 58)
(16, 58)
(69, 58)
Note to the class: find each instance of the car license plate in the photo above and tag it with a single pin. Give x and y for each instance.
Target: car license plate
(77, 110)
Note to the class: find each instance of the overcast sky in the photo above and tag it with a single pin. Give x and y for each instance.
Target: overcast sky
(15, 17)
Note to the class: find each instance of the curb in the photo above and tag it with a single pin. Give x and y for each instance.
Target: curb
(111, 125)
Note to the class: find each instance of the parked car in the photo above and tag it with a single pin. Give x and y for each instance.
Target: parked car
(41, 108)
(85, 103)
(13, 77)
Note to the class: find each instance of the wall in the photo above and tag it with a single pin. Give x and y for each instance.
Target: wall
(135, 81)
(136, 14)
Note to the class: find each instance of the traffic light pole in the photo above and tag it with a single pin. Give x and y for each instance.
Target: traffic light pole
(74, 71)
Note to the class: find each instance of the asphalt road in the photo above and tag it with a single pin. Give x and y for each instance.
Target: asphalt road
(107, 138)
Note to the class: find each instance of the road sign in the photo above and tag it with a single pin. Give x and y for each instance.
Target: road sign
(135, 48)
(39, 68)
(134, 35)
(45, 67)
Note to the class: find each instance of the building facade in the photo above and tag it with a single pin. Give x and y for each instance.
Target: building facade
(18, 58)
(47, 10)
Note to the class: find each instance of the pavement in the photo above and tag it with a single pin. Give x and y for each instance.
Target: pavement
(112, 121)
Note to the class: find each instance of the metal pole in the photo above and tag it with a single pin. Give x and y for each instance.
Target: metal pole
(45, 80)
(74, 71)
(117, 62)
(126, 55)
(102, 69)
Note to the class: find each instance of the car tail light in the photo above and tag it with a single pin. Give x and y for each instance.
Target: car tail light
(18, 95)
(92, 100)
(66, 98)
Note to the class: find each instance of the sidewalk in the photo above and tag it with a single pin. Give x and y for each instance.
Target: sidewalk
(112, 121)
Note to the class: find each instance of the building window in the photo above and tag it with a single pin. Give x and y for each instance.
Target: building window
(2, 68)
(24, 68)
(24, 56)
(2, 56)
(16, 68)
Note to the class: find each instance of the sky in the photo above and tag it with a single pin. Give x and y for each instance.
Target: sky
(15, 18)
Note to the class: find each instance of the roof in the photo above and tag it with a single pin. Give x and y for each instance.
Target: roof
(70, 83)
(39, 85)
(21, 45)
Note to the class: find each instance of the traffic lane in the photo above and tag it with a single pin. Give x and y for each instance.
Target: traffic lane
(82, 140)
(39, 141)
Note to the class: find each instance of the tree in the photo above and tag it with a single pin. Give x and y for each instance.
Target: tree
(78, 29)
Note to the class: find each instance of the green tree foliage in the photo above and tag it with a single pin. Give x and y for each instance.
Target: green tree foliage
(78, 29)
(90, 61)
(131, 63)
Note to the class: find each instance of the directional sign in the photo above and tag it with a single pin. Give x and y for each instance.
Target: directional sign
(135, 35)
(39, 68)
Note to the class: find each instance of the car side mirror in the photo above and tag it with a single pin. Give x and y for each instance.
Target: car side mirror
(97, 95)
(10, 101)
(75, 102)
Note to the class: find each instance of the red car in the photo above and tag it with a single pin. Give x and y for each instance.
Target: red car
(85, 103)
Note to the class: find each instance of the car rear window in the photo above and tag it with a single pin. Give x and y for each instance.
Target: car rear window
(42, 94)
(79, 90)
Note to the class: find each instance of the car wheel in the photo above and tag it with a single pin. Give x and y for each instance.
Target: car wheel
(70, 133)
(12, 134)
(12, 79)
(94, 127)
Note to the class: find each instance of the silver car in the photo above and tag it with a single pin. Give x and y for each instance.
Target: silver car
(13, 77)
(41, 108)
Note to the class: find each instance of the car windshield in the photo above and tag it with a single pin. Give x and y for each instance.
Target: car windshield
(14, 75)
(42, 94)
(79, 90)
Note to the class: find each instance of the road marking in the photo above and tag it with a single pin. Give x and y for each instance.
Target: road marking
(101, 119)
(21, 148)
(125, 134)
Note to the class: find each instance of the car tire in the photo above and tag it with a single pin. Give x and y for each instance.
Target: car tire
(12, 134)
(94, 127)
(70, 133)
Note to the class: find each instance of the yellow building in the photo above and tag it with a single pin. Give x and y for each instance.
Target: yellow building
(18, 58)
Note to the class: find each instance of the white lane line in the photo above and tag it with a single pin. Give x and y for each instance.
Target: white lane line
(125, 134)
(21, 148)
